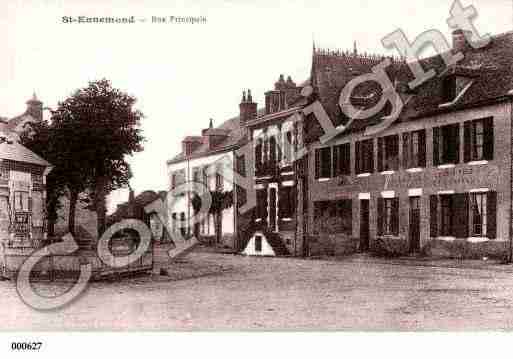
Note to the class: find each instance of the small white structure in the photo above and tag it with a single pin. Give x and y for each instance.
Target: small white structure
(265, 244)
(258, 246)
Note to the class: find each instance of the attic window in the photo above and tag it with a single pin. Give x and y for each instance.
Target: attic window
(449, 89)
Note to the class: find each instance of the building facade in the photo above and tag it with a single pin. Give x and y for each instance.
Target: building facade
(438, 180)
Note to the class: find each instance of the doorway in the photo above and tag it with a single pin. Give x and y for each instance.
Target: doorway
(414, 231)
(364, 225)
(272, 209)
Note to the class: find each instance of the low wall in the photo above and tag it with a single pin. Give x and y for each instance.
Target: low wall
(12, 258)
(332, 244)
(459, 248)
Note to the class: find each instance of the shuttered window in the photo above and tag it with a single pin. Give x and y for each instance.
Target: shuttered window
(414, 149)
(342, 160)
(388, 153)
(287, 147)
(446, 144)
(364, 156)
(388, 216)
(258, 152)
(323, 162)
(478, 140)
(272, 150)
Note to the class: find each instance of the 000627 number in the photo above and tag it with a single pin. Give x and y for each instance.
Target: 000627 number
(25, 346)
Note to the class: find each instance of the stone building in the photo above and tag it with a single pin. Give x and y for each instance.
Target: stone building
(211, 160)
(438, 180)
(22, 192)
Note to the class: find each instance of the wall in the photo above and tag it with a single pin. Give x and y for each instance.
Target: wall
(494, 175)
(182, 202)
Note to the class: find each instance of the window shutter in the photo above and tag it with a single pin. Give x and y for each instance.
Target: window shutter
(336, 160)
(406, 152)
(488, 139)
(395, 216)
(422, 148)
(436, 146)
(467, 141)
(456, 137)
(460, 215)
(358, 158)
(272, 149)
(380, 216)
(491, 214)
(346, 159)
(433, 215)
(381, 153)
(371, 154)
(258, 153)
(317, 163)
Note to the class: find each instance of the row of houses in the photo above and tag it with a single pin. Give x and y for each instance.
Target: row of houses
(437, 181)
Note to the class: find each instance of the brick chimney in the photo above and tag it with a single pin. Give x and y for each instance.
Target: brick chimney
(248, 108)
(459, 40)
(35, 108)
(284, 93)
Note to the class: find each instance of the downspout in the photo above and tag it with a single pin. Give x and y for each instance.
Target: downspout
(510, 254)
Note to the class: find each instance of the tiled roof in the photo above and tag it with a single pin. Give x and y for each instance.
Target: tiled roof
(235, 137)
(14, 151)
(490, 69)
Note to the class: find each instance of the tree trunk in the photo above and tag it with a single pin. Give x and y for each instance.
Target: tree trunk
(100, 205)
(217, 217)
(73, 199)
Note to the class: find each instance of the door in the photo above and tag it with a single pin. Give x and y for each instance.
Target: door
(364, 225)
(414, 224)
(272, 209)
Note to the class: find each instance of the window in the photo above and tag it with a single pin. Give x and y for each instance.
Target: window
(462, 215)
(219, 176)
(272, 150)
(446, 144)
(478, 137)
(364, 156)
(449, 89)
(258, 243)
(182, 223)
(388, 216)
(323, 162)
(333, 216)
(287, 147)
(414, 149)
(258, 152)
(446, 225)
(342, 160)
(286, 202)
(173, 222)
(196, 174)
(21, 201)
(478, 214)
(388, 153)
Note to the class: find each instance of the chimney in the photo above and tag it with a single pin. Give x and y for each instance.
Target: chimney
(35, 108)
(284, 94)
(459, 40)
(248, 108)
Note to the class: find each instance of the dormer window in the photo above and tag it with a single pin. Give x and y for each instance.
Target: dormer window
(449, 89)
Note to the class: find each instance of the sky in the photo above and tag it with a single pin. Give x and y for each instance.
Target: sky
(184, 74)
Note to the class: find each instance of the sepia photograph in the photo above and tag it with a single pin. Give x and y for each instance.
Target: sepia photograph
(272, 168)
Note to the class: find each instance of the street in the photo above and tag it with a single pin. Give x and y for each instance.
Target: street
(210, 291)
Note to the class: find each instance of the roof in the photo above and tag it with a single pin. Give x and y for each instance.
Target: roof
(235, 137)
(489, 68)
(13, 151)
